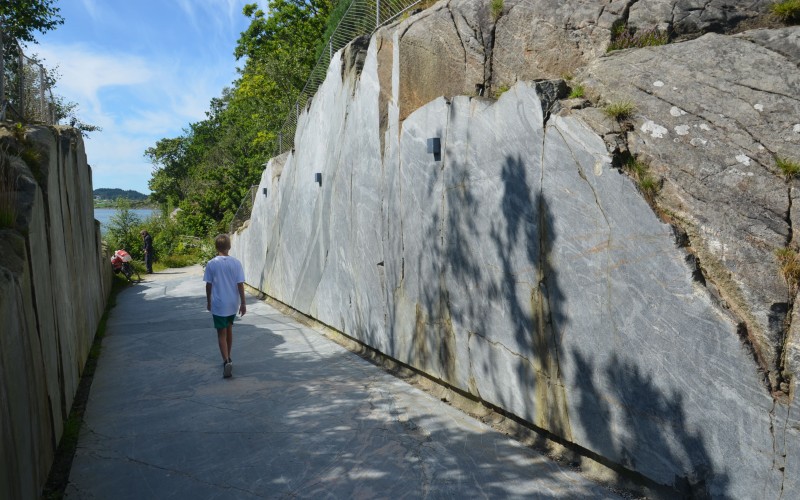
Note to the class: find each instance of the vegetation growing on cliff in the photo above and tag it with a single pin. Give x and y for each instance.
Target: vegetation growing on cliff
(624, 37)
(206, 171)
(788, 168)
(620, 110)
(787, 11)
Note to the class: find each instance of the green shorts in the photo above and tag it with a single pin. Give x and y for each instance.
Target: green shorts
(222, 321)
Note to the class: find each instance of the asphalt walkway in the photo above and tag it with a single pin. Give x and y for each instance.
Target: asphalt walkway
(301, 417)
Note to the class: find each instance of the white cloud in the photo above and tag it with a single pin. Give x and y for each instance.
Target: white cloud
(85, 71)
(133, 88)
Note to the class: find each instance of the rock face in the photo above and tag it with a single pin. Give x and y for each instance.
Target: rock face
(713, 134)
(54, 282)
(520, 264)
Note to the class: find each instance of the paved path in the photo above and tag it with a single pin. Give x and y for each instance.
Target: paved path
(301, 418)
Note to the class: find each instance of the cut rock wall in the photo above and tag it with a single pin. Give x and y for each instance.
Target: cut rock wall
(54, 282)
(522, 266)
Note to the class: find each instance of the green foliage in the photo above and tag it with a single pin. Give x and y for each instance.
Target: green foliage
(640, 172)
(788, 167)
(502, 89)
(207, 170)
(336, 15)
(787, 11)
(620, 110)
(21, 18)
(577, 91)
(123, 230)
(624, 37)
(497, 9)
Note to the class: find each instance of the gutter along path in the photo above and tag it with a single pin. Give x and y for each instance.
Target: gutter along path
(302, 417)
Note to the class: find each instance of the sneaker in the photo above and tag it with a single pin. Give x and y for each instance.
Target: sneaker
(227, 369)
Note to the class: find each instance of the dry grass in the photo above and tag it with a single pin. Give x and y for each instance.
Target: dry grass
(790, 266)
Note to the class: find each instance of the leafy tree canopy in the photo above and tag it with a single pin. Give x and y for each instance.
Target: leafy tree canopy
(207, 171)
(21, 18)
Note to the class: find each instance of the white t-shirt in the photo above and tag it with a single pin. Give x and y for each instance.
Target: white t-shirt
(224, 273)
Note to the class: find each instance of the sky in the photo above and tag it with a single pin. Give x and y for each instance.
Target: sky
(142, 71)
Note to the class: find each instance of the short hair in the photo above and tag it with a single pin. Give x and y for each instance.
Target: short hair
(222, 242)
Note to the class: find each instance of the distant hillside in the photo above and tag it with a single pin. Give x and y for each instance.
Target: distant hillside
(113, 193)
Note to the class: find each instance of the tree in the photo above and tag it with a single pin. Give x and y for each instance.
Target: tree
(21, 18)
(122, 229)
(207, 171)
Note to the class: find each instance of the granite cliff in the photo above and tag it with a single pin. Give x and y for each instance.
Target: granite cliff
(612, 280)
(54, 282)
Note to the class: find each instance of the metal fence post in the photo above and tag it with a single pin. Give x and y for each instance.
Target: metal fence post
(21, 94)
(280, 142)
(2, 70)
(42, 114)
(377, 13)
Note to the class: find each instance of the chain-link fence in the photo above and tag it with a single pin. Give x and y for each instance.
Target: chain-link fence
(245, 209)
(25, 86)
(363, 17)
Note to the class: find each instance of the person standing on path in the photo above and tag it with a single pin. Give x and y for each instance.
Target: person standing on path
(148, 251)
(224, 277)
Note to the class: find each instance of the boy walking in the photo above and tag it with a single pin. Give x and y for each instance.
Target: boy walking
(224, 279)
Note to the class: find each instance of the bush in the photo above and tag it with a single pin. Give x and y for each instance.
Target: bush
(787, 11)
(123, 230)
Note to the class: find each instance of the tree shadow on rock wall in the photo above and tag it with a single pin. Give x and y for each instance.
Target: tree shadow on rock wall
(632, 417)
(526, 289)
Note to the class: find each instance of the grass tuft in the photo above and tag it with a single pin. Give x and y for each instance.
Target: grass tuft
(620, 111)
(787, 11)
(497, 9)
(639, 171)
(624, 37)
(789, 168)
(577, 91)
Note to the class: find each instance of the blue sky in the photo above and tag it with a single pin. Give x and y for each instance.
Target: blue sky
(141, 70)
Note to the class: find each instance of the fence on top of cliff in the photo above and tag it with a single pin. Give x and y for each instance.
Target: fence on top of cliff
(362, 17)
(245, 209)
(25, 86)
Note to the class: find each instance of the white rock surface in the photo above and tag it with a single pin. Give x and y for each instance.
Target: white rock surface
(520, 267)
